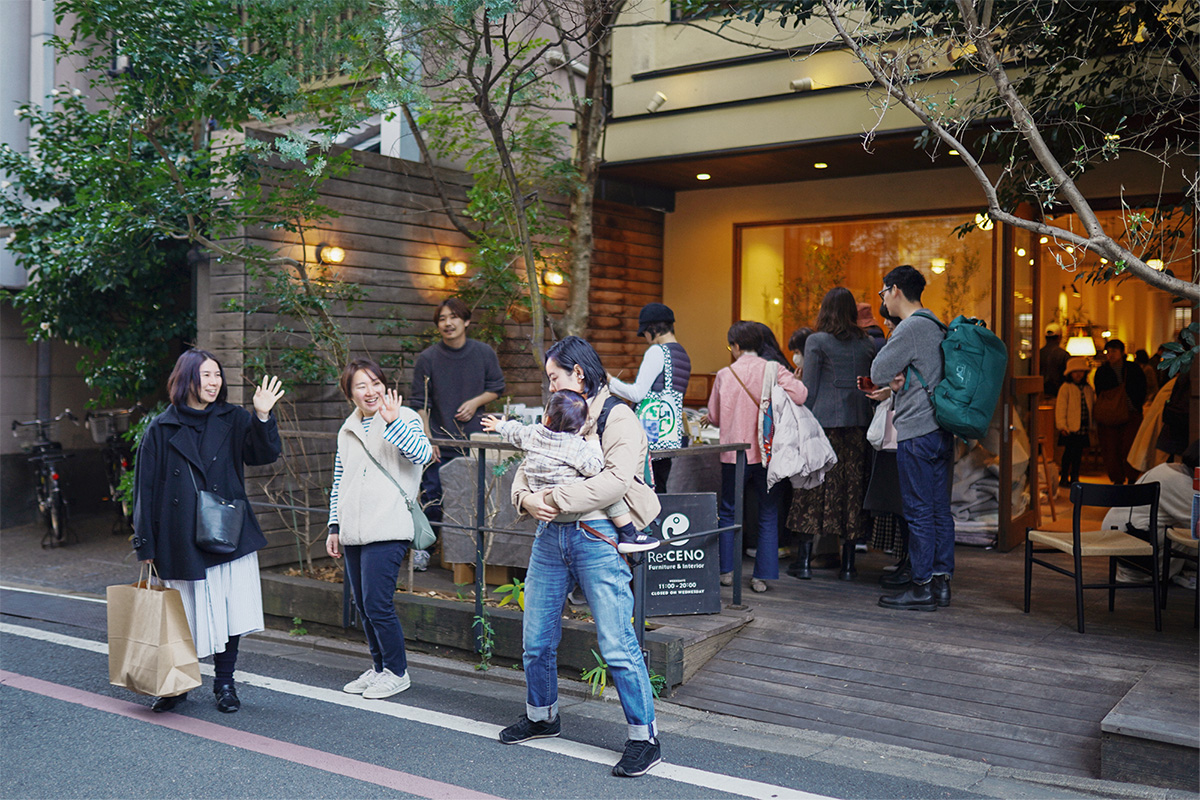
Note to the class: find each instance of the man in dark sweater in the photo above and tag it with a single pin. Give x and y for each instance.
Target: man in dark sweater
(925, 452)
(452, 381)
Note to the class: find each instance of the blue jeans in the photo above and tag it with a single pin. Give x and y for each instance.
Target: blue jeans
(565, 554)
(372, 570)
(926, 466)
(766, 563)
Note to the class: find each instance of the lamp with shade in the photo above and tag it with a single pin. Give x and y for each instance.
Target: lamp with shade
(1081, 346)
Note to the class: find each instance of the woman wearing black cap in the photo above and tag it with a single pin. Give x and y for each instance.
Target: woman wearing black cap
(657, 392)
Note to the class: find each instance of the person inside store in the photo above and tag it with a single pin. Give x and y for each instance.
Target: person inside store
(576, 543)
(657, 391)
(733, 406)
(1052, 360)
(924, 451)
(381, 448)
(203, 441)
(834, 358)
(452, 382)
(1073, 416)
(1120, 393)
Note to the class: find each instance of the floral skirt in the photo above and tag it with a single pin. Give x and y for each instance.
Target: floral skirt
(835, 507)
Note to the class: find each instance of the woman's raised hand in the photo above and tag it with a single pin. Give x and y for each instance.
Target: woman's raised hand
(391, 406)
(267, 395)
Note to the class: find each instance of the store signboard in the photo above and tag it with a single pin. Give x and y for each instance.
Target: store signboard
(684, 577)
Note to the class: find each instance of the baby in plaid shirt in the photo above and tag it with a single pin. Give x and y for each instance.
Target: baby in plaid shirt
(556, 454)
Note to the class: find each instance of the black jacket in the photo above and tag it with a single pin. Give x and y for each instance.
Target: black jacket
(1134, 379)
(164, 512)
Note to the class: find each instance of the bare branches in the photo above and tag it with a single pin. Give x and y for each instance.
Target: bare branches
(894, 79)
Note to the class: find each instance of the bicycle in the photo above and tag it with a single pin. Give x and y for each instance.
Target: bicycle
(45, 455)
(106, 428)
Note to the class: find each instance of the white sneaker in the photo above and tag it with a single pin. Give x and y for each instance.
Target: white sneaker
(387, 684)
(1185, 579)
(362, 682)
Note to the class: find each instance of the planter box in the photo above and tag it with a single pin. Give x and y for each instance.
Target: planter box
(450, 623)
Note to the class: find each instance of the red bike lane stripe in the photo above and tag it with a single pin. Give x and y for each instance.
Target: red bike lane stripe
(297, 754)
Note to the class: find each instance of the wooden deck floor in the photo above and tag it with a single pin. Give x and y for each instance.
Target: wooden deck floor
(978, 680)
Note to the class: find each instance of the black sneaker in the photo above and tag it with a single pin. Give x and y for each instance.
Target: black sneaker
(637, 543)
(640, 755)
(526, 729)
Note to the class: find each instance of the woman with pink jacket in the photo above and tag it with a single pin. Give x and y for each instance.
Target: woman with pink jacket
(733, 407)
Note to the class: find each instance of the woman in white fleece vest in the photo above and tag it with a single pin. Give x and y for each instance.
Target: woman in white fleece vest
(369, 518)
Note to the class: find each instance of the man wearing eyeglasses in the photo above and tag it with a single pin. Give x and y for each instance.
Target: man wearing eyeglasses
(925, 452)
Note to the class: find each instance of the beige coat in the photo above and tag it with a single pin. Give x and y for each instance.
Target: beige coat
(369, 506)
(624, 447)
(1067, 411)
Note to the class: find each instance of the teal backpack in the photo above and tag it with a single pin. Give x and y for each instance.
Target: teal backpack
(973, 365)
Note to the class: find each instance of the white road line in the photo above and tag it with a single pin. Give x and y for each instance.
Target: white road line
(100, 600)
(697, 777)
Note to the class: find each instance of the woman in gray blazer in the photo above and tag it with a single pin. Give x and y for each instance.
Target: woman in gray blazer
(834, 358)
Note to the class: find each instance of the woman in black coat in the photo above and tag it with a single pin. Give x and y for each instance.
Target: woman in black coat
(201, 441)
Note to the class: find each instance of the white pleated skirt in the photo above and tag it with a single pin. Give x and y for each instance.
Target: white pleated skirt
(228, 602)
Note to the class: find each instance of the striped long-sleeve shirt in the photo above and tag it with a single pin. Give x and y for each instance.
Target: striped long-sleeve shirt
(409, 438)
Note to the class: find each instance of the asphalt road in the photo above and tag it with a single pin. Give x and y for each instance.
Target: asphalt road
(66, 733)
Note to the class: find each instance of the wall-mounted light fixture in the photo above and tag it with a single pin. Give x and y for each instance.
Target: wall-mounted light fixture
(656, 102)
(552, 277)
(330, 254)
(453, 268)
(802, 85)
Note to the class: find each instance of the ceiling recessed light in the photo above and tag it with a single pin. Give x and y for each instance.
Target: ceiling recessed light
(820, 165)
(1044, 239)
(703, 176)
(1156, 263)
(953, 152)
(1021, 251)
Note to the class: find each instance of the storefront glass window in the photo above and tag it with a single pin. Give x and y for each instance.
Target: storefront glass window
(786, 268)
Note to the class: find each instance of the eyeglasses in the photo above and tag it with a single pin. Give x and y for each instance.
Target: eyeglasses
(884, 291)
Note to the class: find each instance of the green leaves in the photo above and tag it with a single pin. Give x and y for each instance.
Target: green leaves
(121, 180)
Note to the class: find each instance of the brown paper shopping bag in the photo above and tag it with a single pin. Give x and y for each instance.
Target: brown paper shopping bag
(150, 648)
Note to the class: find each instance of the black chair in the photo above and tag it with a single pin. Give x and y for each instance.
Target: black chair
(1114, 544)
(1180, 544)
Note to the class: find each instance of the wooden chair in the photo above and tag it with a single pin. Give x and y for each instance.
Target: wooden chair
(1180, 544)
(1113, 544)
(1045, 452)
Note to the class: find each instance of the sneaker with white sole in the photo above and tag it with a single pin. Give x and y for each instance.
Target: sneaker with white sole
(526, 729)
(362, 682)
(640, 755)
(638, 543)
(387, 684)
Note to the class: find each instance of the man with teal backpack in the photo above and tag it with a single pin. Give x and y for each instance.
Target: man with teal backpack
(925, 450)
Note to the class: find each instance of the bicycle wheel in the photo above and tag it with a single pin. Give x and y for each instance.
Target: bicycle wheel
(58, 517)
